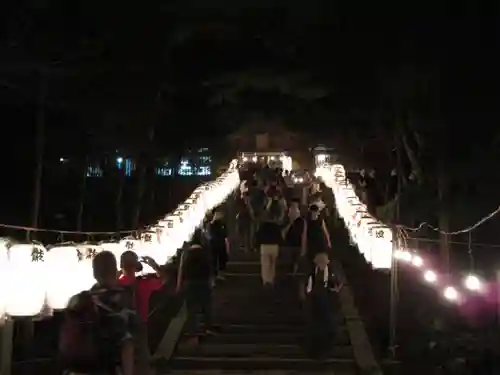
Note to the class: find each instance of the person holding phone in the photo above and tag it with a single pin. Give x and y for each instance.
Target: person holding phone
(141, 288)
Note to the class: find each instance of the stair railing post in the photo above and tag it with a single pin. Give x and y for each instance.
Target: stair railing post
(394, 296)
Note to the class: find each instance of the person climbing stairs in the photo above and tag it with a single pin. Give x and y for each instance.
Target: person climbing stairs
(258, 330)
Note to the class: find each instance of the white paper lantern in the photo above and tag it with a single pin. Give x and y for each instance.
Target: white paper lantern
(27, 280)
(164, 250)
(382, 247)
(86, 254)
(63, 279)
(149, 246)
(4, 264)
(172, 223)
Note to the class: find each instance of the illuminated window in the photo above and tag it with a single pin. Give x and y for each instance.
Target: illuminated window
(164, 171)
(94, 171)
(204, 171)
(126, 164)
(205, 159)
(185, 168)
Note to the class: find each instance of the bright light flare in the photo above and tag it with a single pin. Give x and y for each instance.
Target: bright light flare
(473, 283)
(245, 158)
(417, 261)
(403, 255)
(450, 293)
(430, 276)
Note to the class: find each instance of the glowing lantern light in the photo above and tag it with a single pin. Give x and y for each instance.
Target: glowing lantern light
(4, 265)
(26, 275)
(417, 261)
(473, 283)
(63, 279)
(430, 276)
(450, 293)
(148, 247)
(86, 254)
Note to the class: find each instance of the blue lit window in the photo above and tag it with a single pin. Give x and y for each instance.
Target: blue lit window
(94, 171)
(164, 171)
(185, 168)
(128, 164)
(204, 171)
(205, 159)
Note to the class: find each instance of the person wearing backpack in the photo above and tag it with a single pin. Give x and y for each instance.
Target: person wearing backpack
(99, 327)
(269, 235)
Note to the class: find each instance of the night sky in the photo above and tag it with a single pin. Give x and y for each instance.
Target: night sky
(199, 69)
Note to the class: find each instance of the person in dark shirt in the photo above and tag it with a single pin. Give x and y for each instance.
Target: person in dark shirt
(122, 319)
(315, 236)
(269, 235)
(292, 232)
(315, 239)
(246, 223)
(195, 280)
(219, 244)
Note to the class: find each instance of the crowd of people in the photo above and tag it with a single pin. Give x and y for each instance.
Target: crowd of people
(276, 215)
(105, 328)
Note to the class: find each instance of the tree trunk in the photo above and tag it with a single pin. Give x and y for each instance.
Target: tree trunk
(40, 146)
(141, 182)
(119, 196)
(152, 194)
(81, 195)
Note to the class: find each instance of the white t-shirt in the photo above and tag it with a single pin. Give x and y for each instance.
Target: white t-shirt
(243, 187)
(319, 203)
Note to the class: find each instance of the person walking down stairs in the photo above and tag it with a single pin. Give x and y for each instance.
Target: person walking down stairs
(269, 235)
(219, 244)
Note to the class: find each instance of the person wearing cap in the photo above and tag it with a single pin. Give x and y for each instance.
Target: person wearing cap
(142, 288)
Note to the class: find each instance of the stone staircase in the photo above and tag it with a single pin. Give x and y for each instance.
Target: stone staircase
(259, 330)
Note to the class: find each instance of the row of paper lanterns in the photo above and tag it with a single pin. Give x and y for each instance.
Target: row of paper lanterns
(34, 278)
(373, 238)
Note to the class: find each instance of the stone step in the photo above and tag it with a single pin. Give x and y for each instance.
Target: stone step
(267, 330)
(286, 255)
(337, 366)
(257, 329)
(235, 277)
(259, 317)
(248, 372)
(210, 349)
(254, 267)
(293, 337)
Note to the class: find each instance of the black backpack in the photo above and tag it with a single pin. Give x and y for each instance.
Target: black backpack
(86, 340)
